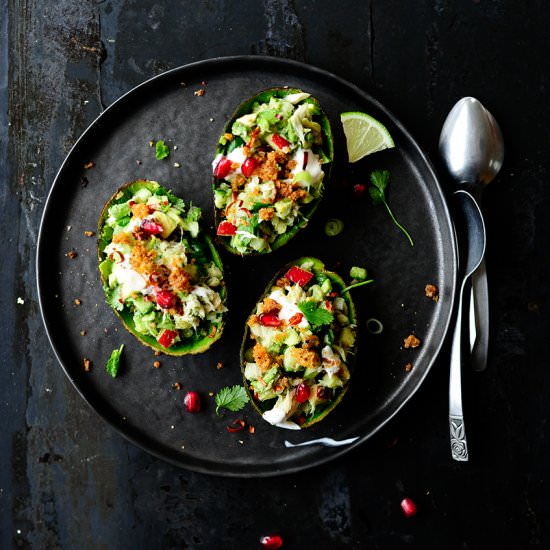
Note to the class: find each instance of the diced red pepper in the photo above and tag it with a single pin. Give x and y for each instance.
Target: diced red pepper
(270, 320)
(253, 136)
(151, 227)
(165, 299)
(359, 189)
(248, 166)
(302, 393)
(279, 141)
(296, 319)
(236, 426)
(298, 275)
(167, 337)
(223, 168)
(271, 542)
(227, 229)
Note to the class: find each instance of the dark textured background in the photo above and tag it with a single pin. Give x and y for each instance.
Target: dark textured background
(67, 480)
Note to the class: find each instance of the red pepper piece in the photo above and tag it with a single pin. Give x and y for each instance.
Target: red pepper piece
(248, 166)
(236, 426)
(150, 227)
(296, 319)
(298, 275)
(227, 229)
(167, 337)
(192, 402)
(409, 507)
(270, 320)
(165, 299)
(279, 141)
(223, 168)
(302, 393)
(271, 542)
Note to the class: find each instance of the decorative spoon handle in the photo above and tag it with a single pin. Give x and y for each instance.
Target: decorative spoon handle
(459, 447)
(479, 307)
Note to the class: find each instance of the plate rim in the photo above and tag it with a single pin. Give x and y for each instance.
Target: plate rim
(263, 62)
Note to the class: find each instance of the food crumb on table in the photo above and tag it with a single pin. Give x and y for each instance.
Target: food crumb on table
(408, 367)
(87, 364)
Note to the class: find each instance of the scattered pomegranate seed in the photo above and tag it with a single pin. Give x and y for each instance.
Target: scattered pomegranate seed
(269, 320)
(409, 507)
(359, 189)
(151, 228)
(192, 402)
(271, 542)
(222, 168)
(302, 393)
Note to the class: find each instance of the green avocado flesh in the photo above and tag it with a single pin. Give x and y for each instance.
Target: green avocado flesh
(271, 166)
(299, 345)
(161, 275)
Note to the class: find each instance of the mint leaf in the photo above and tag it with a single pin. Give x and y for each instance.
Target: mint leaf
(114, 361)
(161, 150)
(232, 399)
(315, 315)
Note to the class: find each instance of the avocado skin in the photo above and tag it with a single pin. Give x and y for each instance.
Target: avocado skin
(338, 282)
(191, 347)
(328, 150)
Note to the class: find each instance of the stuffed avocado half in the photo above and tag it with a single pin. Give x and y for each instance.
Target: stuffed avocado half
(299, 345)
(271, 164)
(161, 275)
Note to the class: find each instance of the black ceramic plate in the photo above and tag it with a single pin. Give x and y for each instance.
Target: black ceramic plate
(142, 402)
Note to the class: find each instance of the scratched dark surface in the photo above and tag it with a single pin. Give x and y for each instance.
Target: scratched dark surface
(68, 480)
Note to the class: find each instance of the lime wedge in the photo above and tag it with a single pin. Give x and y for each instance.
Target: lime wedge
(364, 135)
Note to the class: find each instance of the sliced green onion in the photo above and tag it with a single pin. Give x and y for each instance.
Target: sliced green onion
(334, 227)
(374, 326)
(359, 273)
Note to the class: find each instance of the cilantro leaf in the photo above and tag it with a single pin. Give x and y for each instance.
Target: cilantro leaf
(232, 399)
(161, 150)
(380, 179)
(315, 315)
(114, 361)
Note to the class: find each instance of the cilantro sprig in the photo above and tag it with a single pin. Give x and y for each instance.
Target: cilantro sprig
(316, 316)
(231, 398)
(114, 362)
(379, 182)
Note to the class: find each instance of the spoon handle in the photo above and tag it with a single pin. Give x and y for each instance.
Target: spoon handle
(479, 337)
(459, 446)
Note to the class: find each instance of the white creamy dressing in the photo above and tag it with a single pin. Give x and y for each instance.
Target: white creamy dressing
(326, 441)
(331, 362)
(276, 417)
(288, 308)
(129, 280)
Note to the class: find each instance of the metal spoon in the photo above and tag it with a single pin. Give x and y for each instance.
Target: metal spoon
(471, 146)
(471, 249)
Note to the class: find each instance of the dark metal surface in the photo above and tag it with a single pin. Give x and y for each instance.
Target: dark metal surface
(142, 403)
(68, 480)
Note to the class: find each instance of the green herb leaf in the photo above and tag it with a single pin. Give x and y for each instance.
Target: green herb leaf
(161, 150)
(380, 179)
(315, 315)
(232, 399)
(114, 361)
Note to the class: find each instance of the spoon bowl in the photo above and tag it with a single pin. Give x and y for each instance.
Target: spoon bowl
(471, 143)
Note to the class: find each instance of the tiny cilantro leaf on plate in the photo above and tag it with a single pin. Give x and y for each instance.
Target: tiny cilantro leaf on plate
(231, 398)
(315, 315)
(380, 179)
(114, 361)
(161, 150)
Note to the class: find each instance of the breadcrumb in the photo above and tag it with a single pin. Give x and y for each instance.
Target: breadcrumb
(262, 357)
(411, 341)
(431, 291)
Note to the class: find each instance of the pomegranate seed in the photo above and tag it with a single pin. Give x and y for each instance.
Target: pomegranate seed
(269, 320)
(222, 168)
(271, 542)
(409, 507)
(279, 141)
(151, 227)
(359, 189)
(192, 402)
(302, 393)
(165, 299)
(248, 166)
